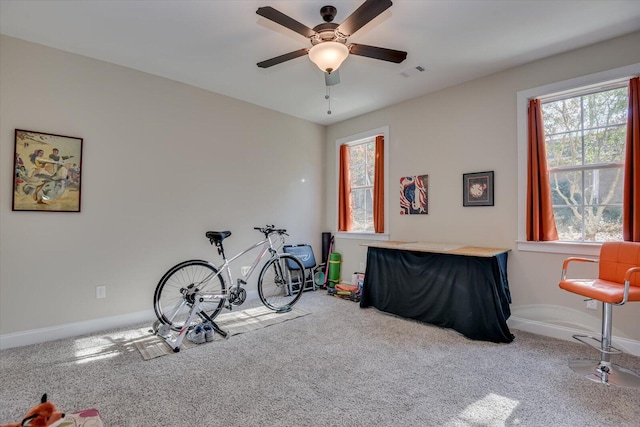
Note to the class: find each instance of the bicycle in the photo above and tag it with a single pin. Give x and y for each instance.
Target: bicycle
(194, 291)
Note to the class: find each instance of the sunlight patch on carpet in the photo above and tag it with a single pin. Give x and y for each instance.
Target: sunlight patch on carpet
(492, 410)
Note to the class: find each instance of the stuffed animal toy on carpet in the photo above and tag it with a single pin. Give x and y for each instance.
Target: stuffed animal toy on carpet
(42, 415)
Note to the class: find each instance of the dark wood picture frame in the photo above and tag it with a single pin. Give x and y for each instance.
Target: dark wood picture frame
(477, 189)
(47, 172)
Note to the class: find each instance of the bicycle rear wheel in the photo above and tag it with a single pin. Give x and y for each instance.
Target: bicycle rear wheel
(174, 295)
(281, 282)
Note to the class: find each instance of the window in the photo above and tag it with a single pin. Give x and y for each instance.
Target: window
(361, 150)
(585, 137)
(585, 172)
(361, 170)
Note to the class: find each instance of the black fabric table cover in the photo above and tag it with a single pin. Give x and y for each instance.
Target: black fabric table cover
(469, 294)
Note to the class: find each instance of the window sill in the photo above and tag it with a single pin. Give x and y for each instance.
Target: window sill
(568, 248)
(362, 236)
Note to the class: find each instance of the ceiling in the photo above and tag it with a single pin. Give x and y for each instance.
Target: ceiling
(216, 44)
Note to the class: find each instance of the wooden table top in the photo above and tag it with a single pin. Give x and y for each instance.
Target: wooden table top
(443, 248)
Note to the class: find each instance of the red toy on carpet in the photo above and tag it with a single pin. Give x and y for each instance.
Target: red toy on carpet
(42, 415)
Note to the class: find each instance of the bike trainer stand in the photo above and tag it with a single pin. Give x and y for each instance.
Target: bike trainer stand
(164, 331)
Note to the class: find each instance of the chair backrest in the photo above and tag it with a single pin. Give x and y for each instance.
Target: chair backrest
(303, 252)
(616, 258)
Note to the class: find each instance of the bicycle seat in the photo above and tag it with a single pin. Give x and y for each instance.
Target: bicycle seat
(217, 236)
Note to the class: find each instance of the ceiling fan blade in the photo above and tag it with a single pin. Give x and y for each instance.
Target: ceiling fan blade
(282, 58)
(362, 15)
(332, 79)
(374, 52)
(284, 20)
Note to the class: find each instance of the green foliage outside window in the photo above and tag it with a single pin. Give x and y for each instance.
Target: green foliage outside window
(362, 164)
(585, 141)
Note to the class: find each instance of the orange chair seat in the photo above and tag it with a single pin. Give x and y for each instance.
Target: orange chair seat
(601, 290)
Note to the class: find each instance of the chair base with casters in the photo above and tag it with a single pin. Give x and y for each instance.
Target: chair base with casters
(618, 282)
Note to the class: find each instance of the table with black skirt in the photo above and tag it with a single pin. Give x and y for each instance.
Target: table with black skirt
(464, 288)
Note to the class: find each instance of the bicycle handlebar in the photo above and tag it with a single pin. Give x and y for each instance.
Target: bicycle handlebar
(269, 229)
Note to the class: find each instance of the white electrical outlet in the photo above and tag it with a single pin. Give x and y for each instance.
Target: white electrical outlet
(362, 267)
(101, 292)
(592, 304)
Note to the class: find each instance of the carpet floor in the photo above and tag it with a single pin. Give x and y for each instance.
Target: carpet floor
(340, 365)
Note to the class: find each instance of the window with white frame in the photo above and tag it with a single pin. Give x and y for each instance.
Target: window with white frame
(585, 136)
(362, 170)
(585, 133)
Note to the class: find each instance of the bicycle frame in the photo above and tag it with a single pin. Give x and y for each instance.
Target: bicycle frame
(197, 297)
(206, 304)
(267, 244)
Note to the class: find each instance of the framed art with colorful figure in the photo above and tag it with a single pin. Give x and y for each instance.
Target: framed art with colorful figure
(477, 189)
(47, 172)
(414, 195)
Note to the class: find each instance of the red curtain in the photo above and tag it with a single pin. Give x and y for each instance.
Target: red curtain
(631, 201)
(344, 191)
(378, 187)
(541, 224)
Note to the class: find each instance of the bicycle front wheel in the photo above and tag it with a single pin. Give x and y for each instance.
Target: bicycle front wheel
(176, 293)
(281, 282)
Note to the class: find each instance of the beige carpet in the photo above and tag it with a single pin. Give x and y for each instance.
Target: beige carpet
(233, 323)
(339, 366)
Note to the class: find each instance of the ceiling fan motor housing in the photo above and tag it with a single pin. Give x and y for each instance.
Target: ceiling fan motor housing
(328, 13)
(327, 33)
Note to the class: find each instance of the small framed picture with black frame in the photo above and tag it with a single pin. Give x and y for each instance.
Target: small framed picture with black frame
(477, 189)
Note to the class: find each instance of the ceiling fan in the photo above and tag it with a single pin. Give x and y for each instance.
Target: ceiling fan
(329, 46)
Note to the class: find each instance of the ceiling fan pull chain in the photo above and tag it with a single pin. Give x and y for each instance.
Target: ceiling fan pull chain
(328, 98)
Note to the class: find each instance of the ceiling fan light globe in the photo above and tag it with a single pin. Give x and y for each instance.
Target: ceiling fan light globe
(328, 55)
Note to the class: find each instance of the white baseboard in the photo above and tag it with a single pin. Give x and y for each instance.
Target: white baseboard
(35, 336)
(626, 345)
(68, 330)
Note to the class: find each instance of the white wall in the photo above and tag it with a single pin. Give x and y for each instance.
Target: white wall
(472, 128)
(163, 163)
